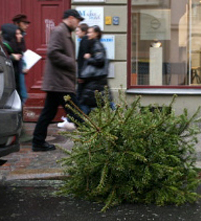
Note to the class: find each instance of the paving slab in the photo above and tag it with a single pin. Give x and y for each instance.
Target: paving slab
(27, 164)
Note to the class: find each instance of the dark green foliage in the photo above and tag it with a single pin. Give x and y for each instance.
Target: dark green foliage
(133, 154)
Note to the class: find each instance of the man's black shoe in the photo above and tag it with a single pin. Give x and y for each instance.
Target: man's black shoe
(43, 147)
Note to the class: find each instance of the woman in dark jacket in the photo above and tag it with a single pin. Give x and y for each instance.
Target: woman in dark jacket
(81, 33)
(12, 39)
(95, 58)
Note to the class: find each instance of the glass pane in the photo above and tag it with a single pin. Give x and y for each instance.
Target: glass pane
(195, 42)
(162, 44)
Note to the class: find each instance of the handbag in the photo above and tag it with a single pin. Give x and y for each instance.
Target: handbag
(90, 71)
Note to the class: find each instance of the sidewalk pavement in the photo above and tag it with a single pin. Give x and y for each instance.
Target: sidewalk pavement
(27, 164)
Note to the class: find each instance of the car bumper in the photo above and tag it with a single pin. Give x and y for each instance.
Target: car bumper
(10, 131)
(10, 149)
(11, 124)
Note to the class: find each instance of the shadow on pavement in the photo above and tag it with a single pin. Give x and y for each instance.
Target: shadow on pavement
(2, 162)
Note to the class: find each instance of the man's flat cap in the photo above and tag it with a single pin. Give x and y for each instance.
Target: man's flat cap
(20, 18)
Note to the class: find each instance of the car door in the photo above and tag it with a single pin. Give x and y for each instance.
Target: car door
(10, 107)
(7, 83)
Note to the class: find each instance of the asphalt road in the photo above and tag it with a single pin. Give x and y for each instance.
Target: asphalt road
(28, 200)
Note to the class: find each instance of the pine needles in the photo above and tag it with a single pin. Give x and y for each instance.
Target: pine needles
(133, 154)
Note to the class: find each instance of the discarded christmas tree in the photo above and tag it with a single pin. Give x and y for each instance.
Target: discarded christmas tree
(133, 154)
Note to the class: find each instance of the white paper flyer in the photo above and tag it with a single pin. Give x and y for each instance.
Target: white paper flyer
(31, 58)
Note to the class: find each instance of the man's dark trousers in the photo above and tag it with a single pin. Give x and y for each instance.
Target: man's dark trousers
(52, 102)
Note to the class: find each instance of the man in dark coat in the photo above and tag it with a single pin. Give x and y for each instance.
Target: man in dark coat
(81, 32)
(59, 78)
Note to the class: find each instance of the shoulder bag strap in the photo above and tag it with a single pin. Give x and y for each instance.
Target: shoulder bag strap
(8, 46)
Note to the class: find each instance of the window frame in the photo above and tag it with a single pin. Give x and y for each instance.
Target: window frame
(144, 88)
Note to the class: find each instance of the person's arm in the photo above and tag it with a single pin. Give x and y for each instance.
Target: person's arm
(15, 57)
(98, 57)
(85, 45)
(56, 52)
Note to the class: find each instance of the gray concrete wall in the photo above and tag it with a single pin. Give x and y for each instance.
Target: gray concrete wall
(190, 102)
(114, 8)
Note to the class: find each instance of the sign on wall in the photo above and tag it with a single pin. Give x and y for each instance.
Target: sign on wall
(155, 24)
(109, 44)
(92, 15)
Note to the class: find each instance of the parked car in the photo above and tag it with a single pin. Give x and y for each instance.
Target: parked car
(10, 107)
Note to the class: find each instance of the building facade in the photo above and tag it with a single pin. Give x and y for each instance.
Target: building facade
(157, 48)
(154, 46)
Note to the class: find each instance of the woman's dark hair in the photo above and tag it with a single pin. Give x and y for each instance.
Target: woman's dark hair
(9, 35)
(9, 31)
(97, 29)
(84, 27)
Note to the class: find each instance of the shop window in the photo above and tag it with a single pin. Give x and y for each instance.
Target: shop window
(165, 43)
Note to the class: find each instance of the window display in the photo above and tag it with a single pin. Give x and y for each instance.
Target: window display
(166, 43)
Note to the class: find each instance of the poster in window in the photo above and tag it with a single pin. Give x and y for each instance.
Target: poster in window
(155, 24)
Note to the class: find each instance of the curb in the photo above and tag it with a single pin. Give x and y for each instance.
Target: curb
(36, 174)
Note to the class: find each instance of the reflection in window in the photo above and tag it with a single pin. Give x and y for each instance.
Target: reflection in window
(166, 42)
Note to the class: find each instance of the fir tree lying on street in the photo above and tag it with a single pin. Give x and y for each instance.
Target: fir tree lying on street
(133, 154)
